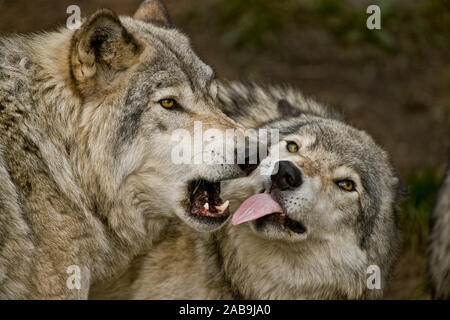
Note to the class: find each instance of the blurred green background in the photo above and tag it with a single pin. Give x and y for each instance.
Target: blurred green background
(393, 83)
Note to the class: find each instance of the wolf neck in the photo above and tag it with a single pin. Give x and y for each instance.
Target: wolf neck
(53, 108)
(38, 102)
(256, 268)
(253, 269)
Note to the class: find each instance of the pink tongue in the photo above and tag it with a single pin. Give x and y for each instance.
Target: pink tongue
(255, 207)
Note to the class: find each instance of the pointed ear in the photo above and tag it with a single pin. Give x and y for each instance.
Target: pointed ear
(101, 48)
(285, 109)
(153, 11)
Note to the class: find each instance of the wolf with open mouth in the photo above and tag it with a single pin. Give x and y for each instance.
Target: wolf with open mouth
(321, 225)
(87, 179)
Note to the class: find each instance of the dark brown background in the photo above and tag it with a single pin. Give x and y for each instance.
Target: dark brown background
(392, 82)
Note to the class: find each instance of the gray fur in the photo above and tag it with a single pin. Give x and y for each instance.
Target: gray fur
(439, 247)
(347, 232)
(85, 148)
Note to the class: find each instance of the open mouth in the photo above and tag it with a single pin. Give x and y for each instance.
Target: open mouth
(284, 221)
(262, 208)
(205, 200)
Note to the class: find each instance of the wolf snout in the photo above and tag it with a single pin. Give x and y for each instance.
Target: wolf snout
(288, 176)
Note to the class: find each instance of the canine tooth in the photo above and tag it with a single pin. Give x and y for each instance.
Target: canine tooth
(223, 206)
(206, 206)
(283, 214)
(267, 191)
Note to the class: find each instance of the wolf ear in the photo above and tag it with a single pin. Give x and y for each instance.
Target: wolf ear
(285, 109)
(155, 12)
(101, 48)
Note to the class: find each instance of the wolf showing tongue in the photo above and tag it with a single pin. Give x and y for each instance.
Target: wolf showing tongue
(255, 207)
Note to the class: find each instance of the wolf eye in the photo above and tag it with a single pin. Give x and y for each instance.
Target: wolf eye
(167, 103)
(292, 147)
(346, 185)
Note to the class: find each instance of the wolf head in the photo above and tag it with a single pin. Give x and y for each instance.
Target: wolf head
(323, 216)
(139, 81)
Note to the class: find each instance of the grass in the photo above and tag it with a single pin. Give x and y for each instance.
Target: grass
(417, 208)
(415, 218)
(426, 22)
(422, 289)
(349, 25)
(251, 23)
(258, 24)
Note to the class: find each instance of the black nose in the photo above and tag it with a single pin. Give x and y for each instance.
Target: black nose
(288, 176)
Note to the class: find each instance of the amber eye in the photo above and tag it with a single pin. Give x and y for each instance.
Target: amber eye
(346, 185)
(292, 147)
(167, 103)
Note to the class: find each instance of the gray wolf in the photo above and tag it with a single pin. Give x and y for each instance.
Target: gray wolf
(439, 246)
(86, 177)
(312, 230)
